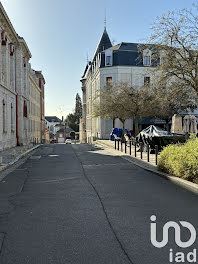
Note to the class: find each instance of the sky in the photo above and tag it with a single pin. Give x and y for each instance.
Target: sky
(61, 33)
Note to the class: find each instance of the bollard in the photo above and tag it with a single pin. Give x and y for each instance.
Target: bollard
(115, 143)
(125, 147)
(135, 149)
(130, 146)
(156, 154)
(141, 148)
(148, 157)
(118, 144)
(121, 145)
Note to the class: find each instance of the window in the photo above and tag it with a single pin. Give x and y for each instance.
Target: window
(25, 109)
(108, 61)
(146, 81)
(147, 60)
(108, 80)
(163, 59)
(4, 116)
(12, 119)
(88, 108)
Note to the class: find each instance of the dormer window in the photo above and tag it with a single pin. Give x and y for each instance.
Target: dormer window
(163, 58)
(108, 61)
(147, 57)
(108, 57)
(147, 60)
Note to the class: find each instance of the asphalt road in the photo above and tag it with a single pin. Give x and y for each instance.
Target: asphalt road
(78, 204)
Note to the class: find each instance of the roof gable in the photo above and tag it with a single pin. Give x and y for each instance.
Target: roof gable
(104, 43)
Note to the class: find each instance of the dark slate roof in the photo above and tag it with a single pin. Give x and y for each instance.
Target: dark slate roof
(126, 46)
(52, 119)
(104, 43)
(67, 130)
(126, 54)
(61, 130)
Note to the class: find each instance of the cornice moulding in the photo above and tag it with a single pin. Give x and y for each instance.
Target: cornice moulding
(5, 21)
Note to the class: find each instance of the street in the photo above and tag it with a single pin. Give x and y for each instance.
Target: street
(78, 204)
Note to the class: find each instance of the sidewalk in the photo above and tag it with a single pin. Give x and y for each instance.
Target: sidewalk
(109, 147)
(12, 155)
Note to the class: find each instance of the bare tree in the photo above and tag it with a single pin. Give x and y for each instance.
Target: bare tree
(105, 103)
(175, 49)
(123, 102)
(169, 100)
(137, 103)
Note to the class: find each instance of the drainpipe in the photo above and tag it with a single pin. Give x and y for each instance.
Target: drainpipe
(17, 135)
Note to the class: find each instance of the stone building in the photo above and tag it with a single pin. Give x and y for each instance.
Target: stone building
(41, 81)
(35, 108)
(111, 64)
(52, 123)
(8, 42)
(15, 87)
(23, 56)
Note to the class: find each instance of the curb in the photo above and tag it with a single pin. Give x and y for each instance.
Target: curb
(190, 186)
(4, 167)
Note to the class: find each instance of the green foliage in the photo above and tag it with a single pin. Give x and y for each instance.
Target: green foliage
(181, 160)
(78, 107)
(73, 119)
(72, 122)
(122, 101)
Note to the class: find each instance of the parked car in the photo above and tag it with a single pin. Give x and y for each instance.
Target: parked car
(52, 141)
(68, 141)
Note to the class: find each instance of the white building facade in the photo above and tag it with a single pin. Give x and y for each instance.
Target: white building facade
(8, 42)
(15, 87)
(52, 123)
(111, 64)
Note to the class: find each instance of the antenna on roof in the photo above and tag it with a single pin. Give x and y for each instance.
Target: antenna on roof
(105, 20)
(87, 58)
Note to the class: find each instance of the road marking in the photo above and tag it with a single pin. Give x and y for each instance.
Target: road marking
(35, 157)
(53, 155)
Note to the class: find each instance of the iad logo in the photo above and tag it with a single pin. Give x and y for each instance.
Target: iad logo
(179, 256)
